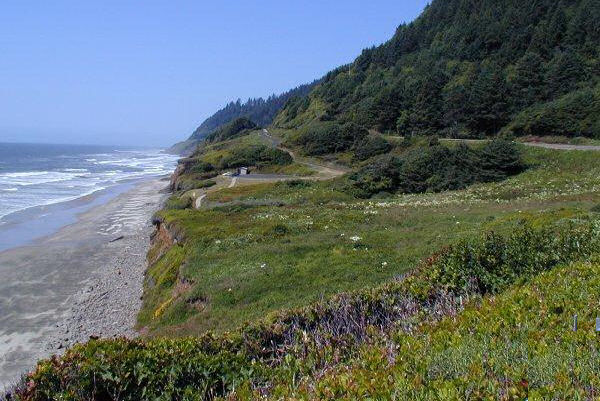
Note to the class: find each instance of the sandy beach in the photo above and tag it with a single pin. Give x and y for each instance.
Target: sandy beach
(84, 280)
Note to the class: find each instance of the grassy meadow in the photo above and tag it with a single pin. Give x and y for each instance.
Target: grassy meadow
(258, 249)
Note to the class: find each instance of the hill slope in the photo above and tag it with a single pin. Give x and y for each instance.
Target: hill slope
(466, 68)
(260, 111)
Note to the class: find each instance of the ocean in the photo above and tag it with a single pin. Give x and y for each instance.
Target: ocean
(41, 174)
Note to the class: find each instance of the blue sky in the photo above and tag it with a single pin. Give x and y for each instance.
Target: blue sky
(148, 72)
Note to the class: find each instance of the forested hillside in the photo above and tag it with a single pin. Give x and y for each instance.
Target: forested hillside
(260, 111)
(472, 68)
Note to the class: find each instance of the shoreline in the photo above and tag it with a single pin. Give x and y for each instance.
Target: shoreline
(33, 224)
(86, 279)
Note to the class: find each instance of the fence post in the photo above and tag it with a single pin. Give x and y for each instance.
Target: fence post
(575, 322)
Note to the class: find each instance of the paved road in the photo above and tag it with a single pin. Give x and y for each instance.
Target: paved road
(560, 146)
(556, 146)
(265, 177)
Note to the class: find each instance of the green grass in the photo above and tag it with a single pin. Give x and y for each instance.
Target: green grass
(273, 246)
(296, 169)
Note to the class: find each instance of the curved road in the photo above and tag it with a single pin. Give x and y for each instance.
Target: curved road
(555, 146)
(560, 146)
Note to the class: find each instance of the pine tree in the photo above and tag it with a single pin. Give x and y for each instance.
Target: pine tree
(564, 72)
(528, 81)
(487, 101)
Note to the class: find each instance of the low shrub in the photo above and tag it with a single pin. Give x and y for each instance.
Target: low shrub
(175, 203)
(298, 183)
(191, 369)
(186, 182)
(490, 264)
(207, 184)
(517, 345)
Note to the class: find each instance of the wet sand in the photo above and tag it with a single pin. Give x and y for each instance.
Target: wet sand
(84, 280)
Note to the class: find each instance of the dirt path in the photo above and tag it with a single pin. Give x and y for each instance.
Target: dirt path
(324, 172)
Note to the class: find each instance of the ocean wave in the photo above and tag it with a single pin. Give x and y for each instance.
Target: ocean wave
(18, 207)
(63, 180)
(75, 170)
(23, 174)
(28, 178)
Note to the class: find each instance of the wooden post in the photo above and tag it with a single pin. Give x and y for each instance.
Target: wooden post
(575, 322)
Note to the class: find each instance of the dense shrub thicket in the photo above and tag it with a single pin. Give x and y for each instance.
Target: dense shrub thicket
(287, 345)
(327, 137)
(437, 168)
(489, 264)
(200, 167)
(370, 146)
(466, 71)
(231, 130)
(191, 173)
(255, 155)
(575, 114)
